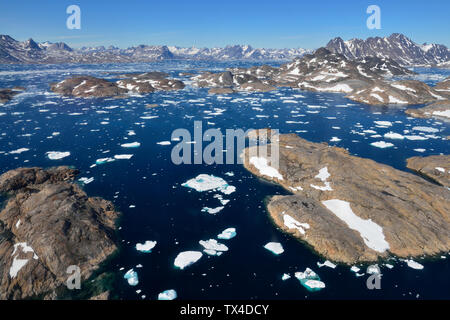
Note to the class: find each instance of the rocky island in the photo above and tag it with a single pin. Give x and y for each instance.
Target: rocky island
(350, 209)
(47, 224)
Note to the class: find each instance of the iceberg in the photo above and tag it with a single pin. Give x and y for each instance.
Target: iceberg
(167, 295)
(132, 277)
(310, 280)
(212, 247)
(285, 277)
(327, 263)
(187, 258)
(123, 156)
(414, 265)
(57, 155)
(146, 247)
(212, 210)
(227, 234)
(275, 247)
(205, 182)
(131, 145)
(104, 160)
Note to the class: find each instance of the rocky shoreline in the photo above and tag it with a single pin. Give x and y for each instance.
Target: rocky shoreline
(48, 224)
(351, 209)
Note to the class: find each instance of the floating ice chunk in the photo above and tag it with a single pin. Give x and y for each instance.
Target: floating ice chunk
(212, 247)
(415, 137)
(420, 150)
(261, 164)
(19, 151)
(167, 295)
(86, 180)
(164, 143)
(390, 266)
(383, 123)
(123, 156)
(310, 280)
(57, 155)
(104, 160)
(275, 247)
(291, 223)
(373, 269)
(426, 129)
(414, 265)
(131, 145)
(355, 269)
(146, 247)
(205, 182)
(371, 233)
(187, 258)
(285, 277)
(335, 139)
(393, 135)
(212, 210)
(327, 263)
(382, 144)
(132, 277)
(227, 234)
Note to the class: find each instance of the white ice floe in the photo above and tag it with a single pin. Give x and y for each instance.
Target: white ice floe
(57, 155)
(327, 263)
(19, 151)
(426, 129)
(445, 113)
(414, 265)
(167, 295)
(86, 180)
(371, 233)
(205, 182)
(123, 156)
(291, 223)
(187, 258)
(104, 160)
(274, 247)
(373, 269)
(212, 247)
(212, 210)
(132, 277)
(310, 280)
(261, 164)
(131, 145)
(146, 247)
(394, 135)
(164, 143)
(383, 123)
(382, 144)
(285, 277)
(335, 139)
(227, 234)
(355, 269)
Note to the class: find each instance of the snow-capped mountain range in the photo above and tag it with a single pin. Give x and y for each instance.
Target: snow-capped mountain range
(13, 51)
(397, 47)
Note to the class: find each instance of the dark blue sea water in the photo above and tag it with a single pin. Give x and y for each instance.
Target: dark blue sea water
(147, 188)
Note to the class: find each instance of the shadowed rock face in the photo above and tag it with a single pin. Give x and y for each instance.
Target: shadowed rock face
(87, 86)
(439, 109)
(436, 168)
(411, 214)
(227, 82)
(7, 94)
(47, 225)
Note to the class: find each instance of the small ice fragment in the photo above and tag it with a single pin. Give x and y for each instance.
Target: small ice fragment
(227, 234)
(187, 258)
(146, 247)
(212, 247)
(131, 145)
(123, 156)
(167, 295)
(327, 264)
(285, 277)
(275, 247)
(57, 155)
(131, 277)
(413, 264)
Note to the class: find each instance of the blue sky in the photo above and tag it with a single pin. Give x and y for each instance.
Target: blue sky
(270, 24)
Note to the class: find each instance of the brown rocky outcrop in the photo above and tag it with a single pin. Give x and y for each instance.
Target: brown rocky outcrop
(410, 215)
(7, 94)
(48, 224)
(437, 168)
(439, 109)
